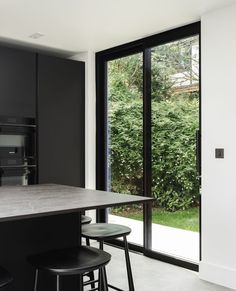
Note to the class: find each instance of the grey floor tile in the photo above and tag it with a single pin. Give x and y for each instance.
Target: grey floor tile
(151, 275)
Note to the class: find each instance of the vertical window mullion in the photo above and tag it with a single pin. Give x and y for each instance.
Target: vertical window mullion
(101, 133)
(147, 155)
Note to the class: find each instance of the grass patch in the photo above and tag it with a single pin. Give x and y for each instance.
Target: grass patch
(186, 219)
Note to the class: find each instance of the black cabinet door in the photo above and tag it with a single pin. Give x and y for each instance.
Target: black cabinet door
(17, 82)
(61, 121)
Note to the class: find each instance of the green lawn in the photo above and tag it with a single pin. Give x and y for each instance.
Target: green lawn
(186, 219)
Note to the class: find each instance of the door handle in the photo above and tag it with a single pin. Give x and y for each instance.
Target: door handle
(198, 152)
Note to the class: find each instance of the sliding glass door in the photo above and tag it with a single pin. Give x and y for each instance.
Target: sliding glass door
(147, 119)
(125, 138)
(175, 122)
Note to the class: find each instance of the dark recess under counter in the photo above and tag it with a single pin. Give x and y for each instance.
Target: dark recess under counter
(20, 238)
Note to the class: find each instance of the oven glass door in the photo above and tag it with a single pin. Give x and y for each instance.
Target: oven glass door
(14, 176)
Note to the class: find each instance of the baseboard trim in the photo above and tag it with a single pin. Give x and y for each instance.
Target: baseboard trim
(217, 274)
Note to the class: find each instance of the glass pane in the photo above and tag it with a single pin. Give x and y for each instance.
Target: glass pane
(125, 138)
(175, 120)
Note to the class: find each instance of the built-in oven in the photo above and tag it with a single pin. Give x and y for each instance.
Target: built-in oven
(17, 151)
(14, 176)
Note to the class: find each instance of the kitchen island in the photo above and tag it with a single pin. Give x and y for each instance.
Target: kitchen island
(42, 217)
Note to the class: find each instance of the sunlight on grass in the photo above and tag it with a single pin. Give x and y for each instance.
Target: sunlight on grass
(186, 219)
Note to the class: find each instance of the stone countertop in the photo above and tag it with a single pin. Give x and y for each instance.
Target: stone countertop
(21, 202)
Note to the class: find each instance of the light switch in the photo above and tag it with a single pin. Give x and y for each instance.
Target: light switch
(219, 153)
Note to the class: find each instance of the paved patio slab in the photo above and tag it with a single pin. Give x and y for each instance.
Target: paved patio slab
(176, 242)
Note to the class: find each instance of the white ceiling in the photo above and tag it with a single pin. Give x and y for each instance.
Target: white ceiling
(80, 25)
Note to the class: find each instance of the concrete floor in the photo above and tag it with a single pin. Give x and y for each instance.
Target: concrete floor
(152, 275)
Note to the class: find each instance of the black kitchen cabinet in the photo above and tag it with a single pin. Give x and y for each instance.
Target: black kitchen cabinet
(61, 121)
(17, 82)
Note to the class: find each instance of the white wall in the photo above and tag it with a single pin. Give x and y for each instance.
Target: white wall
(219, 130)
(90, 117)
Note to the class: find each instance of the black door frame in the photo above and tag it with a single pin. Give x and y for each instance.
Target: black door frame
(140, 46)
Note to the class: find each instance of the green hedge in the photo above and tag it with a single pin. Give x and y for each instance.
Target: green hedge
(174, 123)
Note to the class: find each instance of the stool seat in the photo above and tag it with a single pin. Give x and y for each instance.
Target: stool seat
(104, 231)
(70, 261)
(5, 277)
(85, 219)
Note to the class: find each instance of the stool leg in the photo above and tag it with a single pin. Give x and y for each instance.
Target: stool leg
(87, 242)
(36, 279)
(100, 280)
(128, 265)
(58, 283)
(101, 243)
(103, 270)
(91, 278)
(104, 279)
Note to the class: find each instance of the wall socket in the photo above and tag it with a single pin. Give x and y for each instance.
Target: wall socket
(219, 153)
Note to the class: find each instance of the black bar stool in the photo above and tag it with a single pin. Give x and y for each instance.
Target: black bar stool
(5, 277)
(85, 219)
(72, 261)
(108, 231)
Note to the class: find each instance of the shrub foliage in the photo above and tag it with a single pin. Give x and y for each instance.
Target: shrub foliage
(174, 179)
(174, 123)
